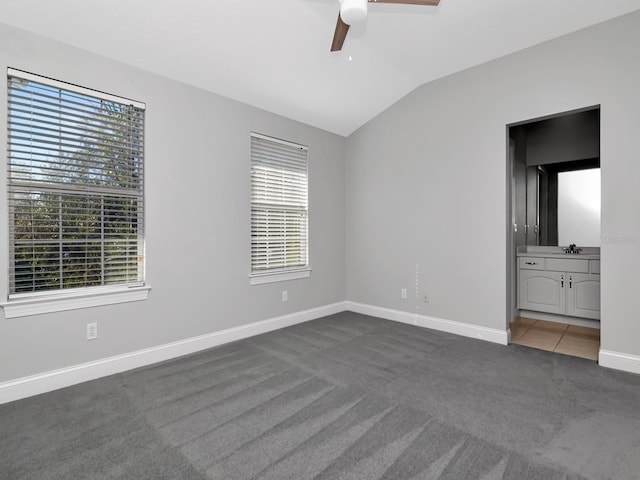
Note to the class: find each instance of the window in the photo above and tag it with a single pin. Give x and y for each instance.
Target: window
(279, 242)
(75, 189)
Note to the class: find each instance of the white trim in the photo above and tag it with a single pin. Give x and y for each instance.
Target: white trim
(74, 88)
(64, 377)
(63, 301)
(260, 278)
(493, 335)
(552, 317)
(619, 361)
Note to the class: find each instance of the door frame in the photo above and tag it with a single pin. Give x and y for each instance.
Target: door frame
(511, 308)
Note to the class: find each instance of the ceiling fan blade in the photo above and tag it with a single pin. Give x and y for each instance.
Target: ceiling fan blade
(430, 3)
(339, 35)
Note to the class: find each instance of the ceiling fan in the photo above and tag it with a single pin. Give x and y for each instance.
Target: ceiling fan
(353, 11)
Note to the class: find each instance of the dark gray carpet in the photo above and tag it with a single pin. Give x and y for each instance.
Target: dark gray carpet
(343, 397)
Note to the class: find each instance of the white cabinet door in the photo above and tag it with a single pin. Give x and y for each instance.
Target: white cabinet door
(542, 291)
(583, 295)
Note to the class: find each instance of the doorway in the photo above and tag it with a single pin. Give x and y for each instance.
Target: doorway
(553, 294)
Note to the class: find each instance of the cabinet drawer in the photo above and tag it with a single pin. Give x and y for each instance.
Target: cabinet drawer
(567, 265)
(595, 266)
(531, 263)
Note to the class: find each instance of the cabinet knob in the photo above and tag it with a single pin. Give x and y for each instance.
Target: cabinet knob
(531, 263)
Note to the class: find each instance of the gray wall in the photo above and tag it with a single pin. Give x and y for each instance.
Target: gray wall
(426, 181)
(197, 217)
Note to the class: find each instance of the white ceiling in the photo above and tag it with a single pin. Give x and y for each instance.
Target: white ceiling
(274, 54)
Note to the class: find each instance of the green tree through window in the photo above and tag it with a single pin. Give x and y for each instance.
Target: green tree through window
(75, 186)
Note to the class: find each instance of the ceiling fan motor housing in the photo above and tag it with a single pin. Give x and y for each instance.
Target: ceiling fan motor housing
(353, 11)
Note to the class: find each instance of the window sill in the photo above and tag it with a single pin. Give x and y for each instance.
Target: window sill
(62, 302)
(271, 277)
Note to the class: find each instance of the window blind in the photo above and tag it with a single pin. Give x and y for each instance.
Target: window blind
(75, 187)
(279, 205)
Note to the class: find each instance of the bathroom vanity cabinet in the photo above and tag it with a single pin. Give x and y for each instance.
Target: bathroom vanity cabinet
(559, 284)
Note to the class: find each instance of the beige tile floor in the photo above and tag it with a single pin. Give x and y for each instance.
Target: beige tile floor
(571, 340)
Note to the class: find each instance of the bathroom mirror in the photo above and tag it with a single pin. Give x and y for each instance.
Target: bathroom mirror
(579, 207)
(564, 207)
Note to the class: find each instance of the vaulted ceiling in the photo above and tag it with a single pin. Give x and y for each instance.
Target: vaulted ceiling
(274, 54)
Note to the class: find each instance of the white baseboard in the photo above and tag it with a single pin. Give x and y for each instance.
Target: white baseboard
(64, 377)
(619, 361)
(493, 335)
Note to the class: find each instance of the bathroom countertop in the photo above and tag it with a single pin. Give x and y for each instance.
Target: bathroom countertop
(588, 253)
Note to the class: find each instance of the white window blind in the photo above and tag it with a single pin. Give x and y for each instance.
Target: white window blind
(278, 205)
(75, 187)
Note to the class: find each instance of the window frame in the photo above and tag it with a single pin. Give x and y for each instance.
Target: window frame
(278, 274)
(20, 304)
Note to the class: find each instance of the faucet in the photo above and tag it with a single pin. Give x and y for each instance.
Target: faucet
(572, 249)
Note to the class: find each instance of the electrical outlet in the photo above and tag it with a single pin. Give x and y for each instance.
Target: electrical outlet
(403, 293)
(285, 296)
(425, 298)
(92, 331)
